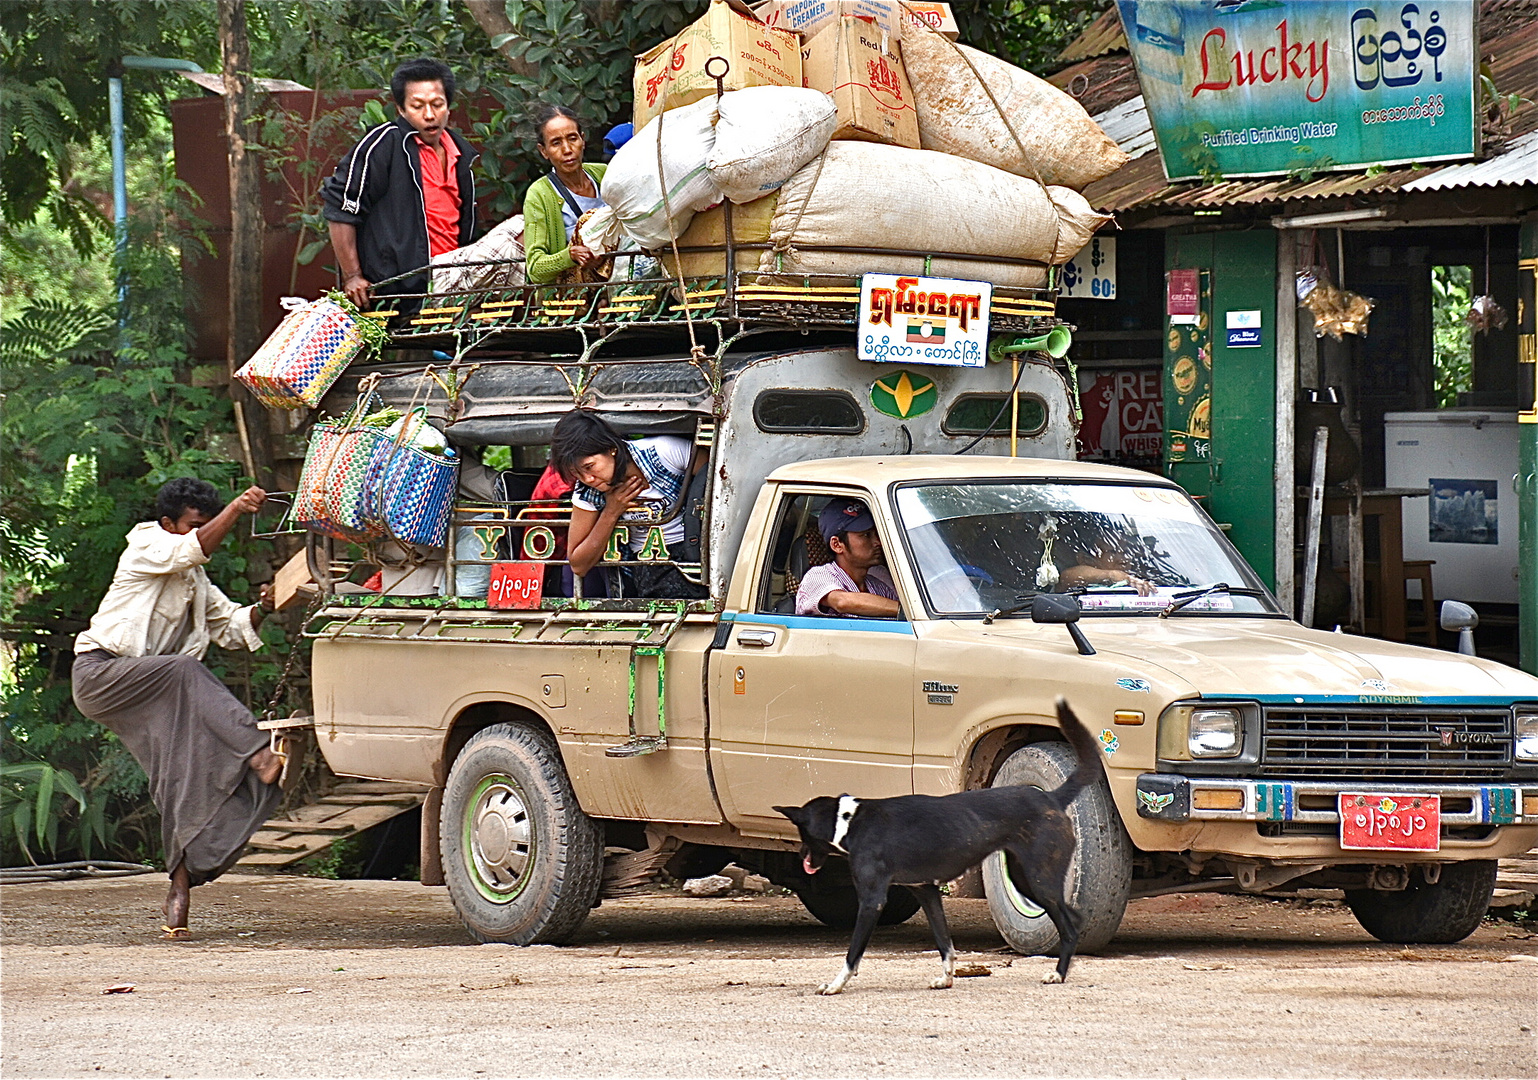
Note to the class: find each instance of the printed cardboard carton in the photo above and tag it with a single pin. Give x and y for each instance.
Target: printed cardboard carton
(812, 17)
(861, 67)
(672, 73)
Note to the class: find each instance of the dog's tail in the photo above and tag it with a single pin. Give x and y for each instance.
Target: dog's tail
(1086, 746)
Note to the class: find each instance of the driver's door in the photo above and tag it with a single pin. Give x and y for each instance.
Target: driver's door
(808, 705)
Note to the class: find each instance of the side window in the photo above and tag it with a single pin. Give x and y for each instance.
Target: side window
(798, 547)
(973, 413)
(808, 412)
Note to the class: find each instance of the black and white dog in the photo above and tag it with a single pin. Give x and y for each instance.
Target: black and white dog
(924, 840)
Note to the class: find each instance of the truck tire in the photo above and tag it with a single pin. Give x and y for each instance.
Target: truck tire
(838, 906)
(1100, 879)
(522, 861)
(1425, 914)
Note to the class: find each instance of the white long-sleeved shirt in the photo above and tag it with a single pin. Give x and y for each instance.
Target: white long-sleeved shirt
(161, 602)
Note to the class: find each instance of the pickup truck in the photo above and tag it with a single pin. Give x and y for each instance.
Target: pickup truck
(560, 735)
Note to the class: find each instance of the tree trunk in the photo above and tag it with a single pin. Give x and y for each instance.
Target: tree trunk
(491, 16)
(246, 227)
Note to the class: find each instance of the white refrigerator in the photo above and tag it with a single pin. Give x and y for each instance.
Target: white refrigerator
(1465, 459)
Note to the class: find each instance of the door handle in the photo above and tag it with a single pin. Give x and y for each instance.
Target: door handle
(757, 638)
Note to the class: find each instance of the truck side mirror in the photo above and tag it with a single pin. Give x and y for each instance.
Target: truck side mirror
(1062, 608)
(1463, 619)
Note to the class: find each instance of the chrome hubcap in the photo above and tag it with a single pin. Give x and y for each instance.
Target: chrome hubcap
(500, 839)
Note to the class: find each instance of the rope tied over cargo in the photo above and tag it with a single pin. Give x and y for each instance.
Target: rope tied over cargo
(696, 350)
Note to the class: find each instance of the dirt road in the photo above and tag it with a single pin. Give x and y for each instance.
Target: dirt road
(305, 977)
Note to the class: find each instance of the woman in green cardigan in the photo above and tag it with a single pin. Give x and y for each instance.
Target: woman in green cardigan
(557, 200)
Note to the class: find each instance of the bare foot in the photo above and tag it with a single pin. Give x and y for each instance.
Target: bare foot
(178, 900)
(267, 766)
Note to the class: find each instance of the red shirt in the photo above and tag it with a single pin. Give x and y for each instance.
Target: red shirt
(440, 194)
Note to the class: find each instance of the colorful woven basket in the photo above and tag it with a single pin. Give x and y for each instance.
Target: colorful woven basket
(362, 483)
(335, 497)
(415, 492)
(306, 353)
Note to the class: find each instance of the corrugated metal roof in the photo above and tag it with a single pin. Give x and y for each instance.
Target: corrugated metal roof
(1518, 165)
(1508, 43)
(1102, 36)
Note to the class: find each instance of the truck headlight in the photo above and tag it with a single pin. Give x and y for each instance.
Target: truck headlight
(1526, 748)
(1215, 733)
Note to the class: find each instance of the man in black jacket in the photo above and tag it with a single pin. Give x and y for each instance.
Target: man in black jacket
(404, 193)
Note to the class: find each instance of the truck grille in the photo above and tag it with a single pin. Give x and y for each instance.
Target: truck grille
(1392, 742)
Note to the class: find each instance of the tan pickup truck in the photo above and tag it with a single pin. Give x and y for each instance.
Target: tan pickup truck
(1241, 750)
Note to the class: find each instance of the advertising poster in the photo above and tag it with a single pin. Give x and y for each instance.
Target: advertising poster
(1268, 87)
(1188, 395)
(1123, 416)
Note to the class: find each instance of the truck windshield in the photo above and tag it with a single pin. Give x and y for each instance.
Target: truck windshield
(1125, 549)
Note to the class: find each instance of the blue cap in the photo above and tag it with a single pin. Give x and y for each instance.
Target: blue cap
(844, 516)
(619, 135)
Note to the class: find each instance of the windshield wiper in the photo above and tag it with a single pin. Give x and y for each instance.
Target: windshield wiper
(1025, 598)
(1182, 599)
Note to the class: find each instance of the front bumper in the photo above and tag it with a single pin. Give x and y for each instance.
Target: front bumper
(1173, 798)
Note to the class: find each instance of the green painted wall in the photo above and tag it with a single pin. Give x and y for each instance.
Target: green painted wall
(1527, 435)
(1238, 475)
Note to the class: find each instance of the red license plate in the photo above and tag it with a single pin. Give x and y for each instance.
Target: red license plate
(1379, 822)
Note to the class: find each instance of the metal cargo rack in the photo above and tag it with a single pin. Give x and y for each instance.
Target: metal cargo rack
(584, 318)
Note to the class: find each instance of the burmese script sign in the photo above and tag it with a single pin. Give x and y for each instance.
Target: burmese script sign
(1261, 87)
(921, 320)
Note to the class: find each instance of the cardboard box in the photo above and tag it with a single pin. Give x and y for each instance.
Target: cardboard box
(672, 74)
(811, 17)
(861, 67)
(937, 17)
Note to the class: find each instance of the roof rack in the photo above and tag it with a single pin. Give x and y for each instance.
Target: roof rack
(582, 318)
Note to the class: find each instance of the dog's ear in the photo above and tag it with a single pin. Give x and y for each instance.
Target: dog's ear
(792, 812)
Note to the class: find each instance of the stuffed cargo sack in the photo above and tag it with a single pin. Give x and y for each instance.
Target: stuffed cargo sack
(632, 187)
(307, 352)
(412, 484)
(765, 135)
(891, 198)
(1062, 143)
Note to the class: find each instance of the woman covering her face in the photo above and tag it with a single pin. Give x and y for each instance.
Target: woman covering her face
(633, 482)
(551, 209)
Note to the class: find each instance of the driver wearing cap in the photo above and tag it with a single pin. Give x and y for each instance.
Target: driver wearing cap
(855, 582)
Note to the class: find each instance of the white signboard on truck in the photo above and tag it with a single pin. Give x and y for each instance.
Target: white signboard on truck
(921, 320)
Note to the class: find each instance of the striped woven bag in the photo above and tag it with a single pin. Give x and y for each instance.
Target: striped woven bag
(311, 347)
(335, 495)
(413, 488)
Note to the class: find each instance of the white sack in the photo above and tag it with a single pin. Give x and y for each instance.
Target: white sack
(957, 117)
(765, 134)
(632, 186)
(873, 195)
(505, 241)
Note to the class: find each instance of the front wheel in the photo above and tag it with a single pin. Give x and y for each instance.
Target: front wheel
(838, 906)
(522, 861)
(1100, 879)
(1423, 914)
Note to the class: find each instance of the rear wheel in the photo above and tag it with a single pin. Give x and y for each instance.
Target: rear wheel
(1100, 880)
(1423, 914)
(522, 861)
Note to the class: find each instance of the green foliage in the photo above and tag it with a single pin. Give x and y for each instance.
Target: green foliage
(1027, 33)
(1452, 340)
(54, 59)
